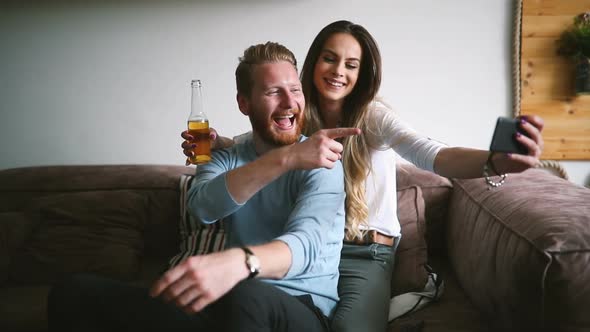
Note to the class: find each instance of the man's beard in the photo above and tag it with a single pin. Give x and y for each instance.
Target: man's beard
(263, 128)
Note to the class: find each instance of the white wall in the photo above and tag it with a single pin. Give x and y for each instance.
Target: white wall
(109, 83)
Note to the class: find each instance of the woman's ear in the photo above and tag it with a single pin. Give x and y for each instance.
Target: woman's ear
(243, 104)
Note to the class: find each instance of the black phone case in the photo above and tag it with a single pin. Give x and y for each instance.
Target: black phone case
(504, 139)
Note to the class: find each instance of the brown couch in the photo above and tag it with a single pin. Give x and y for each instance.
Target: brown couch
(512, 258)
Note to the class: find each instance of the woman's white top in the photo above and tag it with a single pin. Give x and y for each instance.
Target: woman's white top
(386, 133)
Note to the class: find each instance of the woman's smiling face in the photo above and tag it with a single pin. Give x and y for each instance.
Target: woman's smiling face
(337, 68)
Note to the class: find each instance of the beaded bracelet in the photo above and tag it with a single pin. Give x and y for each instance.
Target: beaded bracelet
(491, 183)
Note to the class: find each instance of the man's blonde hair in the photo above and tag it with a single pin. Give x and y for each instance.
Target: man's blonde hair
(257, 55)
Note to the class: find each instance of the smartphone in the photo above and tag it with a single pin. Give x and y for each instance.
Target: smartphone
(504, 138)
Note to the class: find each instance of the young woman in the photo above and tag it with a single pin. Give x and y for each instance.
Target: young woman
(340, 78)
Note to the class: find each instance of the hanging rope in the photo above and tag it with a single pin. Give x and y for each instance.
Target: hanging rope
(516, 58)
(516, 87)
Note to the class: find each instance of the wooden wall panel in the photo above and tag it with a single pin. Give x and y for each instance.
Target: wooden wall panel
(546, 79)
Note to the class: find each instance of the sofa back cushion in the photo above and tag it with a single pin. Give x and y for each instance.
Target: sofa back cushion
(436, 192)
(98, 232)
(15, 229)
(106, 219)
(522, 250)
(411, 257)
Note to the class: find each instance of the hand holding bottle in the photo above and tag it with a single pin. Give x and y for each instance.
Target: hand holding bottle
(189, 144)
(216, 142)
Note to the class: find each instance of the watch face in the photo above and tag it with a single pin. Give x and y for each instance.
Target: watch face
(253, 264)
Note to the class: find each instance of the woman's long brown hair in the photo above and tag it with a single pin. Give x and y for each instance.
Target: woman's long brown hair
(355, 157)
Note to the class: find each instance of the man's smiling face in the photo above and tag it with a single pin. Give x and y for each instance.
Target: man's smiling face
(276, 103)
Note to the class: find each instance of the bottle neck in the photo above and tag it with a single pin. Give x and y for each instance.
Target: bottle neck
(197, 108)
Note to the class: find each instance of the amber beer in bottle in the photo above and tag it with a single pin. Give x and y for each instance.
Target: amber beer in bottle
(198, 126)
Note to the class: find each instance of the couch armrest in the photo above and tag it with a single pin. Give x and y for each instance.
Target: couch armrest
(521, 251)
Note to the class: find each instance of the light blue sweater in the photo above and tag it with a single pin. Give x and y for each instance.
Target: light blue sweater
(304, 209)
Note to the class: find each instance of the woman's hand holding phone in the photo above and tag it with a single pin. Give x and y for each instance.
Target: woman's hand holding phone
(519, 142)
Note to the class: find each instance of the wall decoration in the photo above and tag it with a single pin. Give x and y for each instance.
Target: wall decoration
(545, 82)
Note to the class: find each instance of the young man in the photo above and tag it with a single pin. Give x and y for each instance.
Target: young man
(282, 198)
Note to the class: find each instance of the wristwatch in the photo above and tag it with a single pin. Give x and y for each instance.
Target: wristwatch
(252, 263)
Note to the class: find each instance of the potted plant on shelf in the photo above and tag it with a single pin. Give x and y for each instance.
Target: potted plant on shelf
(575, 43)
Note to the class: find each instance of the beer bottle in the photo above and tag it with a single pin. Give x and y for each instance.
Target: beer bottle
(198, 126)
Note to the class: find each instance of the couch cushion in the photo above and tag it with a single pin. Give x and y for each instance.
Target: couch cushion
(97, 231)
(15, 228)
(452, 312)
(23, 308)
(522, 251)
(436, 191)
(409, 272)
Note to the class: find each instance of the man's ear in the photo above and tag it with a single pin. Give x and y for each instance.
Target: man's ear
(243, 104)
